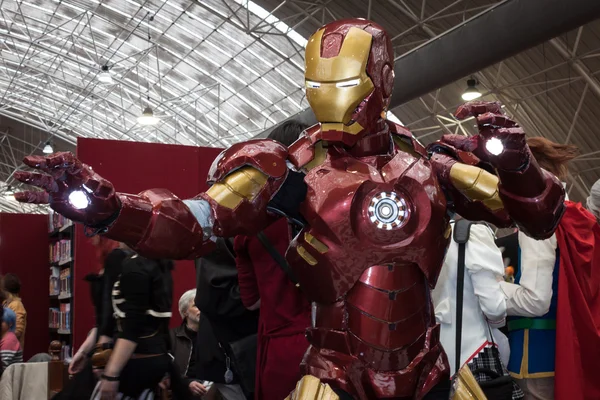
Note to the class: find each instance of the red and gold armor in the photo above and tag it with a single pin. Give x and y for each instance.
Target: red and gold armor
(373, 205)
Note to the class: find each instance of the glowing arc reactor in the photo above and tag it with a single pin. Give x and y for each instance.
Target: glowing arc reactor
(388, 210)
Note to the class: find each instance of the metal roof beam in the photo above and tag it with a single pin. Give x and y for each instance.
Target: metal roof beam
(578, 65)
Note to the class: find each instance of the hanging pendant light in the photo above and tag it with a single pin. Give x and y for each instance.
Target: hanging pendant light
(471, 93)
(48, 149)
(147, 117)
(105, 76)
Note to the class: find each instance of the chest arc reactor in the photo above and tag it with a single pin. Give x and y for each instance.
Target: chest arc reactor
(388, 210)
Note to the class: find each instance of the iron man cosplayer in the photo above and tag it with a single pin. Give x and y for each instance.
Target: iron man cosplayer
(373, 205)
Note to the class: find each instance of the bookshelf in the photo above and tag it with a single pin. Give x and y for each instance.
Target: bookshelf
(61, 233)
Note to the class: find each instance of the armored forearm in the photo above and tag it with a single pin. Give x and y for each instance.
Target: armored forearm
(533, 198)
(157, 224)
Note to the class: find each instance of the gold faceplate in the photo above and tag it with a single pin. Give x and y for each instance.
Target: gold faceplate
(311, 388)
(477, 184)
(330, 102)
(245, 183)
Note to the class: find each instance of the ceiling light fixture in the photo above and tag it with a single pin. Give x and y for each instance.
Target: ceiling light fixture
(147, 118)
(471, 93)
(48, 149)
(105, 76)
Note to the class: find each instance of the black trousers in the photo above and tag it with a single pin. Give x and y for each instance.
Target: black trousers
(140, 374)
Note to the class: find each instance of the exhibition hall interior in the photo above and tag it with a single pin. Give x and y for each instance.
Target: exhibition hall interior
(299, 199)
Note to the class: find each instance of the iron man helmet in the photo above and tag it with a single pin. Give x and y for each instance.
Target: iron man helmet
(349, 78)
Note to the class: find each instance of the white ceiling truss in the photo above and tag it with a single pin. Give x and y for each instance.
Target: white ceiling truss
(218, 72)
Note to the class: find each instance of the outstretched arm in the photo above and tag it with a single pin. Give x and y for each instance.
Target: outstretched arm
(518, 192)
(156, 223)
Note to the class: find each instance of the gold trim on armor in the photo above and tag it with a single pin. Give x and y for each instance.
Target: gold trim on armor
(315, 243)
(448, 231)
(319, 157)
(465, 386)
(306, 255)
(243, 184)
(353, 129)
(477, 184)
(405, 147)
(311, 388)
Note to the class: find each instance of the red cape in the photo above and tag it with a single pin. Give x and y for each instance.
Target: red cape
(578, 313)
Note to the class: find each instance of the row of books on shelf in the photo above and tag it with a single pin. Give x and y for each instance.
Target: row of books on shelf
(60, 282)
(65, 352)
(57, 222)
(60, 318)
(60, 252)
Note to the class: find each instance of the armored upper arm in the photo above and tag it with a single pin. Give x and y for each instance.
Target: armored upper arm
(244, 179)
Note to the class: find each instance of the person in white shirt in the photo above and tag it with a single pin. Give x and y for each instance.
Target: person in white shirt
(484, 304)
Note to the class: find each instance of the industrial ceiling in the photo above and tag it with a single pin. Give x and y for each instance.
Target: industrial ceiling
(216, 72)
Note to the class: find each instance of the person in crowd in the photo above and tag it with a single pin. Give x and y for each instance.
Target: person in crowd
(484, 306)
(593, 200)
(109, 258)
(113, 255)
(141, 299)
(284, 310)
(10, 348)
(184, 342)
(226, 345)
(12, 287)
(554, 334)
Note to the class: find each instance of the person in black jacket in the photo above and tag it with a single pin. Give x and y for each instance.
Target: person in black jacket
(226, 351)
(141, 303)
(110, 259)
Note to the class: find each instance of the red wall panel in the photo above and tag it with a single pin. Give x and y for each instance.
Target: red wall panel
(133, 167)
(24, 251)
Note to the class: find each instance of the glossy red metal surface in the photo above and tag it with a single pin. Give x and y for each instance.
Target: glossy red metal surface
(265, 155)
(386, 360)
(155, 219)
(302, 151)
(393, 306)
(422, 365)
(371, 283)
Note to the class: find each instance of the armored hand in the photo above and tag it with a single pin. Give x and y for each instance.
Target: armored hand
(501, 141)
(71, 188)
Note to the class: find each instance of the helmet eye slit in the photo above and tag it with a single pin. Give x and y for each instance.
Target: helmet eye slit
(348, 83)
